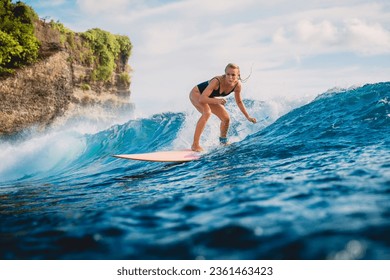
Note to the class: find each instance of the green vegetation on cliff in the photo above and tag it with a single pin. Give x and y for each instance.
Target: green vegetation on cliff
(98, 49)
(106, 49)
(18, 44)
(104, 52)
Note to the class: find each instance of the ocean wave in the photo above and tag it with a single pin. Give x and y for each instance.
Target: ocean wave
(306, 182)
(334, 120)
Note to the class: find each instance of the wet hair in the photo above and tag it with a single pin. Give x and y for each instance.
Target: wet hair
(235, 66)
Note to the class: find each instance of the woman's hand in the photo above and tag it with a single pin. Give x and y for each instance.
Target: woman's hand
(253, 120)
(221, 101)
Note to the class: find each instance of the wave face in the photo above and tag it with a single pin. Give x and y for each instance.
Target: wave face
(311, 184)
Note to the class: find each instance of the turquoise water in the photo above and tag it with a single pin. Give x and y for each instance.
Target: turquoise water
(311, 184)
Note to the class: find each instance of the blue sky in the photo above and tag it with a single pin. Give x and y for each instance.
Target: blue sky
(297, 49)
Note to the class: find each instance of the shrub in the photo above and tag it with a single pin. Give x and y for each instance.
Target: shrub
(18, 44)
(125, 47)
(66, 35)
(106, 48)
(85, 87)
(124, 78)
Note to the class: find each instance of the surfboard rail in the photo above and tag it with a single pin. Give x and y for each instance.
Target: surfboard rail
(163, 156)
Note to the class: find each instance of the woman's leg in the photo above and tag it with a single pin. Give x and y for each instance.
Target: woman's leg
(223, 115)
(205, 110)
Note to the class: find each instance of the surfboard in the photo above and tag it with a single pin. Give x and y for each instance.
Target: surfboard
(163, 156)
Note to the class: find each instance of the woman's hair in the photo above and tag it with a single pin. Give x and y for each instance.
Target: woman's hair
(235, 66)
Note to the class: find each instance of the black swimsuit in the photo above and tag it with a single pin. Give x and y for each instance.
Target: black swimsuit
(215, 92)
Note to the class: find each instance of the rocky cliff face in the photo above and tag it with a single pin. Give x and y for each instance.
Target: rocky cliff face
(36, 95)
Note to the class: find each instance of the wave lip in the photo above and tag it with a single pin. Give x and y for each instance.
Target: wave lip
(350, 118)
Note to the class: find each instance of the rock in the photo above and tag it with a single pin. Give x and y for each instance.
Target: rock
(36, 95)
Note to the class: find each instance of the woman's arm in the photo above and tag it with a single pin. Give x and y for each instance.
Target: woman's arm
(205, 96)
(241, 105)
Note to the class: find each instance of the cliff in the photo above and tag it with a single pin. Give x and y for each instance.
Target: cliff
(68, 73)
(37, 94)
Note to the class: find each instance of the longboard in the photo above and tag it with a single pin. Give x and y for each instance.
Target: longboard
(164, 156)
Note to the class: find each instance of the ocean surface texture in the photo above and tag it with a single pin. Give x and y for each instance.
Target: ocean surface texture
(310, 183)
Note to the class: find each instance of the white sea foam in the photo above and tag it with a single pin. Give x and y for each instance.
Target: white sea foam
(266, 112)
(58, 146)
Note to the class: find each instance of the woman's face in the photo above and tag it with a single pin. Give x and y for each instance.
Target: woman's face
(231, 76)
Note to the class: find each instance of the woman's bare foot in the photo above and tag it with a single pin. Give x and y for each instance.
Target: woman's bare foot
(197, 148)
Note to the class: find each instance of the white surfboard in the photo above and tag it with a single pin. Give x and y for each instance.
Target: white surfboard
(164, 156)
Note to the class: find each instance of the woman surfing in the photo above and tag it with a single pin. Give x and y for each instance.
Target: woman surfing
(208, 98)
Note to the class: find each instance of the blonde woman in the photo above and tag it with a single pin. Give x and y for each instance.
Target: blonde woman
(207, 98)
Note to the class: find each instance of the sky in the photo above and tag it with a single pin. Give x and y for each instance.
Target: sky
(292, 49)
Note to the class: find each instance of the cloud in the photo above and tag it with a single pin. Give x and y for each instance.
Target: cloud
(352, 35)
(221, 27)
(185, 45)
(97, 7)
(163, 38)
(367, 38)
(320, 33)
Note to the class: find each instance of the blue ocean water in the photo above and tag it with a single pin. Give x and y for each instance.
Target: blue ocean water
(312, 183)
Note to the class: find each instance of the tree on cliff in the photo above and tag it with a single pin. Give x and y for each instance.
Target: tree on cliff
(107, 49)
(18, 44)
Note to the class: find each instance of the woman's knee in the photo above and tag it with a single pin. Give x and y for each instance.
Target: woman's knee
(225, 120)
(206, 113)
